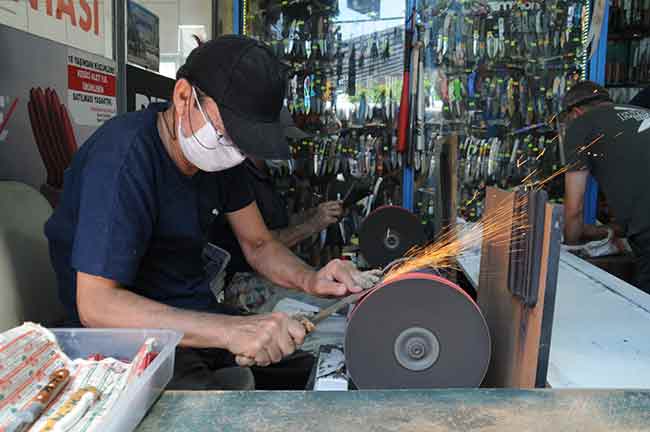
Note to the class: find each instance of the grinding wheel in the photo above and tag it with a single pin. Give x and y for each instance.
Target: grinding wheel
(417, 331)
(388, 233)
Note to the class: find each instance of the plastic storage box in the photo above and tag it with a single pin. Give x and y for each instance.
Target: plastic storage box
(124, 344)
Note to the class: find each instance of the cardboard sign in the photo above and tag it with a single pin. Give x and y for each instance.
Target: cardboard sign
(92, 89)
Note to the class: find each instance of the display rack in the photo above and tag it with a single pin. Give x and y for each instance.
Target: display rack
(628, 49)
(497, 72)
(493, 75)
(342, 88)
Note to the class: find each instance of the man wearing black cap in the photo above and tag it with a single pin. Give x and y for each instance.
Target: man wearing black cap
(127, 239)
(612, 143)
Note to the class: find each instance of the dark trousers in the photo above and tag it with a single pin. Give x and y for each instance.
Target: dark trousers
(215, 369)
(641, 246)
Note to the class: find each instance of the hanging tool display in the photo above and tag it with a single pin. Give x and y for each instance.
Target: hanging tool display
(628, 61)
(521, 159)
(403, 125)
(343, 89)
(499, 72)
(628, 45)
(629, 16)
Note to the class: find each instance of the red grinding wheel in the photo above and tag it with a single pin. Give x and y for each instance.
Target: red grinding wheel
(417, 330)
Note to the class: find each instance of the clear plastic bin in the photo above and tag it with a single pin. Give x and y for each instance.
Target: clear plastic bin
(124, 344)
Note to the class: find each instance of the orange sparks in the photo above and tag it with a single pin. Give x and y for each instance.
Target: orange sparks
(519, 163)
(529, 176)
(554, 175)
(540, 155)
(583, 148)
(504, 226)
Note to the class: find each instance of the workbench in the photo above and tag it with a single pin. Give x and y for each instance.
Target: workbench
(601, 326)
(406, 410)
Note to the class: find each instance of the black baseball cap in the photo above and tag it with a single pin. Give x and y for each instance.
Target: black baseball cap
(247, 82)
(582, 93)
(290, 129)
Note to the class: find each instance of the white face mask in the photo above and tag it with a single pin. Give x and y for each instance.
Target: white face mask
(207, 149)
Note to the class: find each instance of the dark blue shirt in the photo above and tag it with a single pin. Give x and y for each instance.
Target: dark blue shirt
(127, 213)
(273, 209)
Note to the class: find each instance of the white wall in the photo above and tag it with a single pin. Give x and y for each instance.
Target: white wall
(21, 15)
(172, 14)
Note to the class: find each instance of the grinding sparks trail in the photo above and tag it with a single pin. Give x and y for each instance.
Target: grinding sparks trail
(585, 147)
(519, 163)
(559, 172)
(529, 176)
(505, 225)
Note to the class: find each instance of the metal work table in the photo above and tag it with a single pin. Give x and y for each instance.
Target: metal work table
(406, 410)
(600, 327)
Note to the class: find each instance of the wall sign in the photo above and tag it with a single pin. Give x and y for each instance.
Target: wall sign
(92, 89)
(83, 24)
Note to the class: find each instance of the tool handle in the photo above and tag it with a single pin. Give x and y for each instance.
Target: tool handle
(28, 415)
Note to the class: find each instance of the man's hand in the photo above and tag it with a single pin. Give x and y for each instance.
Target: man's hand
(368, 279)
(327, 214)
(339, 278)
(264, 339)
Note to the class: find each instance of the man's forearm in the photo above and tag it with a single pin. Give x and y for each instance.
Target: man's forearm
(577, 232)
(594, 232)
(293, 235)
(299, 218)
(278, 264)
(573, 232)
(118, 307)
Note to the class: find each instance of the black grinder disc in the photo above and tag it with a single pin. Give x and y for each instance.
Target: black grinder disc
(388, 233)
(417, 331)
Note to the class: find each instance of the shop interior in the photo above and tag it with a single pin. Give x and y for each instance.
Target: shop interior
(430, 154)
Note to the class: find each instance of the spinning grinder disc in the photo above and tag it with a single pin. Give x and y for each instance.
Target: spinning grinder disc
(388, 233)
(417, 331)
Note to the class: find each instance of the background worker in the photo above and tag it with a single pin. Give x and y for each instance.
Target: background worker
(612, 143)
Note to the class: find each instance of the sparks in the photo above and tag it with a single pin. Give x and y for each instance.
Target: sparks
(554, 175)
(583, 148)
(504, 226)
(519, 163)
(529, 176)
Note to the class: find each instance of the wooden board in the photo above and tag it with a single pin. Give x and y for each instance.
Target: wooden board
(407, 410)
(516, 329)
(494, 299)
